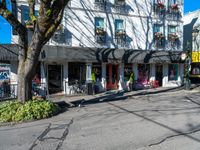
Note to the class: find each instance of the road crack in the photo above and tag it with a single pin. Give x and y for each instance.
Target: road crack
(41, 138)
(172, 136)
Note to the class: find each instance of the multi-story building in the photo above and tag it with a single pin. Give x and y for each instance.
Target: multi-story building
(192, 42)
(107, 40)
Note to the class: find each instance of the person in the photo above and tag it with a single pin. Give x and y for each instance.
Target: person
(36, 79)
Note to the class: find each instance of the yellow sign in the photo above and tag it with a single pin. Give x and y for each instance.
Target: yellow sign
(195, 57)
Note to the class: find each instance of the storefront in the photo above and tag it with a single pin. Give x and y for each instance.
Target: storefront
(69, 70)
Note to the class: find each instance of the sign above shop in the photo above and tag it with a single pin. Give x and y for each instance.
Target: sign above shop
(195, 57)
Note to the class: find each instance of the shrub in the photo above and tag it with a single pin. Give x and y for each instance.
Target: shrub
(15, 111)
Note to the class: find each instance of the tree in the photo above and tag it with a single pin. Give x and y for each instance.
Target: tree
(50, 17)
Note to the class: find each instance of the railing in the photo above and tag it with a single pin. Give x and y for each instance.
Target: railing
(120, 6)
(120, 41)
(76, 87)
(100, 5)
(159, 9)
(9, 91)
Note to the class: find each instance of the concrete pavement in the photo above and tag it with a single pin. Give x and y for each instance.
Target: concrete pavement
(167, 120)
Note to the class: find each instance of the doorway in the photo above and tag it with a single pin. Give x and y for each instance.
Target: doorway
(54, 78)
(159, 73)
(112, 77)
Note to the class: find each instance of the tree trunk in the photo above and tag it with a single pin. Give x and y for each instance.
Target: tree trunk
(26, 72)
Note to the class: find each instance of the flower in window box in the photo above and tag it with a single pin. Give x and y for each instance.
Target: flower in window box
(173, 37)
(100, 31)
(175, 7)
(29, 24)
(121, 2)
(161, 5)
(158, 35)
(120, 33)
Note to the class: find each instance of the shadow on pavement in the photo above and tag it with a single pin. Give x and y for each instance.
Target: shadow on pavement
(121, 95)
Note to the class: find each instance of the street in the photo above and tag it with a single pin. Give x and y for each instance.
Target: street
(157, 121)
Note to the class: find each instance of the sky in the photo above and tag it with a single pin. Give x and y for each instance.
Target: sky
(191, 5)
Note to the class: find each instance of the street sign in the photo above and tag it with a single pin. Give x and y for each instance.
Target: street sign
(195, 57)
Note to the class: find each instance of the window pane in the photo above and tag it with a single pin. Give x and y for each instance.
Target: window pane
(143, 73)
(118, 24)
(172, 29)
(173, 72)
(157, 28)
(99, 22)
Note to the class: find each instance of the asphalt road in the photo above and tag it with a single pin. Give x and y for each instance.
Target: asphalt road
(163, 121)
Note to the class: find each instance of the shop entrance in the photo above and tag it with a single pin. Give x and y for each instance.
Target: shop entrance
(159, 73)
(54, 78)
(112, 77)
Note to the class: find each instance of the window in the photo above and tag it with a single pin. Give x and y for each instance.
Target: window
(119, 24)
(143, 73)
(100, 33)
(173, 72)
(171, 29)
(96, 69)
(195, 69)
(77, 73)
(127, 71)
(99, 23)
(25, 14)
(157, 28)
(171, 2)
(14, 11)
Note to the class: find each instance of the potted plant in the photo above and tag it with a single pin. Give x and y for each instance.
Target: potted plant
(29, 24)
(131, 81)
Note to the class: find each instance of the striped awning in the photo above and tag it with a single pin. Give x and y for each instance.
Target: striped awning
(86, 54)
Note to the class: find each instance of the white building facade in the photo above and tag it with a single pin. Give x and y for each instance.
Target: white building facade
(107, 40)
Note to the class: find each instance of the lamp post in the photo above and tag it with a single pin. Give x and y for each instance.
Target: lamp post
(186, 57)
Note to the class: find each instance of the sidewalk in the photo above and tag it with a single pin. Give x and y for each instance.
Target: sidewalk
(72, 101)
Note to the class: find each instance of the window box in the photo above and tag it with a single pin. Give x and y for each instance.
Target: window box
(173, 37)
(120, 32)
(175, 7)
(120, 2)
(160, 5)
(159, 36)
(100, 31)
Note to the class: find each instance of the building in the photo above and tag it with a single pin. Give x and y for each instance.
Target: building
(192, 42)
(107, 40)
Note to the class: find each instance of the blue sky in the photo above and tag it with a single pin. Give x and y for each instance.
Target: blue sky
(191, 5)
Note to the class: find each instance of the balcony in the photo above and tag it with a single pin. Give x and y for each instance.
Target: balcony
(100, 35)
(159, 40)
(173, 41)
(159, 9)
(100, 5)
(120, 6)
(174, 12)
(120, 38)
